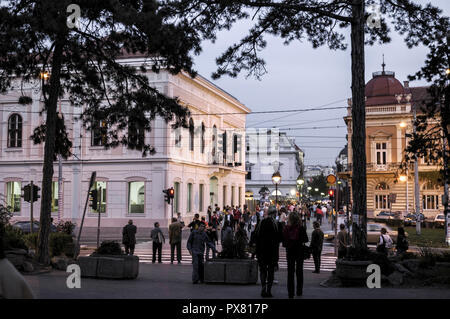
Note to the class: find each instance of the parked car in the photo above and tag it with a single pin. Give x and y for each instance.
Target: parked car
(373, 233)
(25, 226)
(410, 219)
(439, 220)
(385, 215)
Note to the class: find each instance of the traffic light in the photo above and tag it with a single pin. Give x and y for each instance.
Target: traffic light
(93, 199)
(171, 192)
(36, 190)
(27, 193)
(166, 195)
(331, 194)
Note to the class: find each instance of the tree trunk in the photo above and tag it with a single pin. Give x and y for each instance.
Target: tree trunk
(359, 207)
(49, 150)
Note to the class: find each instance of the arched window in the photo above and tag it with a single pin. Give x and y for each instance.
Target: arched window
(202, 139)
(191, 135)
(15, 131)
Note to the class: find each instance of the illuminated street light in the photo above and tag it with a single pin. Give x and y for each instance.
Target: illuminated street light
(276, 179)
(402, 124)
(44, 75)
(403, 178)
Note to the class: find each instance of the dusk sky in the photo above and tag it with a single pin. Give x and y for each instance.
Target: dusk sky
(302, 77)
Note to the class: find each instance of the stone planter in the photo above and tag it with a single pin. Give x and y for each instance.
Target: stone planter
(352, 273)
(109, 266)
(231, 271)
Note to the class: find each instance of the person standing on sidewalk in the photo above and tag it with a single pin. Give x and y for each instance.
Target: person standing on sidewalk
(343, 239)
(196, 247)
(158, 240)
(129, 237)
(294, 239)
(267, 238)
(316, 246)
(402, 243)
(175, 231)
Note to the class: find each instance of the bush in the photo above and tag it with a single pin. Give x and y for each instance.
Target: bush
(109, 247)
(13, 238)
(58, 243)
(66, 227)
(31, 240)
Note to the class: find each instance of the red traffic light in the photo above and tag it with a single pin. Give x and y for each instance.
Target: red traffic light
(171, 192)
(331, 192)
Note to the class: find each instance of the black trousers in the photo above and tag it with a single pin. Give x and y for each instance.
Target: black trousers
(317, 254)
(129, 248)
(295, 268)
(197, 268)
(267, 273)
(157, 247)
(172, 251)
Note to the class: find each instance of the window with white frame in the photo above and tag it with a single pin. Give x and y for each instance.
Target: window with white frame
(382, 201)
(15, 131)
(55, 197)
(381, 153)
(136, 197)
(430, 202)
(189, 197)
(99, 133)
(13, 198)
(176, 195)
(101, 207)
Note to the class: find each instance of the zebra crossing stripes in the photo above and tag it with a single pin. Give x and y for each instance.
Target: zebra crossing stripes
(144, 252)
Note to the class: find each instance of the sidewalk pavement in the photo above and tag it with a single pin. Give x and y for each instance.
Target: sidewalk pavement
(162, 281)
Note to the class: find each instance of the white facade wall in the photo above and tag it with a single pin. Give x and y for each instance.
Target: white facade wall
(119, 166)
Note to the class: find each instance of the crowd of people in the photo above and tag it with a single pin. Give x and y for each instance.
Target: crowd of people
(262, 231)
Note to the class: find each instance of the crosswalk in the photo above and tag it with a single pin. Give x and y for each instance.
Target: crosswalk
(144, 252)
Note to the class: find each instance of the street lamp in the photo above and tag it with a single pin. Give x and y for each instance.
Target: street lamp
(300, 182)
(276, 179)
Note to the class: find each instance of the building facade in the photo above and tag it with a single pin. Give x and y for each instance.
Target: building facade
(269, 151)
(389, 117)
(203, 163)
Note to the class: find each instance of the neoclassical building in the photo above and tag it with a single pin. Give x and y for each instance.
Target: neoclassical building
(389, 117)
(202, 163)
(269, 151)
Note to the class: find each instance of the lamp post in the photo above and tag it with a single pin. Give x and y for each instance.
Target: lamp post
(300, 183)
(276, 179)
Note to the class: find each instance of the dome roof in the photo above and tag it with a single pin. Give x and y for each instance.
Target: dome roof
(382, 88)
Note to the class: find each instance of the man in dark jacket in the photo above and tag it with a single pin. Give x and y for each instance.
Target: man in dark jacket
(175, 231)
(316, 246)
(267, 238)
(196, 246)
(195, 223)
(129, 237)
(158, 240)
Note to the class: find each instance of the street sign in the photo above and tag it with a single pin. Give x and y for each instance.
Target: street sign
(331, 179)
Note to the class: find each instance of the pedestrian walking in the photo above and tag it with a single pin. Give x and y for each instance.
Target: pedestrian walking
(175, 236)
(267, 238)
(402, 243)
(385, 242)
(195, 223)
(294, 239)
(129, 237)
(316, 246)
(196, 247)
(319, 215)
(158, 240)
(211, 233)
(343, 239)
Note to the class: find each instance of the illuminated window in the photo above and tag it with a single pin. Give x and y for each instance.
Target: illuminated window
(13, 199)
(99, 134)
(136, 197)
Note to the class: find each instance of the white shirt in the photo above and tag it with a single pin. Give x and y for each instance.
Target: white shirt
(12, 283)
(387, 240)
(324, 209)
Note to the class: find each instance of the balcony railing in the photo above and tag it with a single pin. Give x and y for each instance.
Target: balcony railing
(372, 167)
(221, 159)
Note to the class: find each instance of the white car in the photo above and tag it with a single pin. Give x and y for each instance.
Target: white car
(439, 220)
